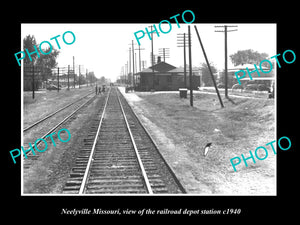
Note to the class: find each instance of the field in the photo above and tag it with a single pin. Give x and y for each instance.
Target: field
(182, 132)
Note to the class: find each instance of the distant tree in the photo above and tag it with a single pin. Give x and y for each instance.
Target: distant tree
(44, 63)
(206, 77)
(47, 62)
(82, 79)
(28, 43)
(247, 56)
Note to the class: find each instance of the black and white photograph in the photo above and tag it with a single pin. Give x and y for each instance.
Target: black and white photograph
(136, 116)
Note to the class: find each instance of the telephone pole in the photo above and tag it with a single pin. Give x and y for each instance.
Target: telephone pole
(129, 71)
(164, 52)
(152, 58)
(207, 62)
(126, 79)
(86, 75)
(190, 62)
(74, 70)
(57, 79)
(33, 83)
(225, 71)
(152, 63)
(133, 64)
(68, 77)
(74, 64)
(181, 43)
(140, 56)
(126, 72)
(79, 77)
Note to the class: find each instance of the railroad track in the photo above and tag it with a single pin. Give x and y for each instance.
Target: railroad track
(119, 156)
(56, 112)
(67, 117)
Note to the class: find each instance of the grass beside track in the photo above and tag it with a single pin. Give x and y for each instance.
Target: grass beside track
(182, 132)
(46, 102)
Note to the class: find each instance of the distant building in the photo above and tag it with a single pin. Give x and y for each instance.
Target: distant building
(167, 78)
(264, 78)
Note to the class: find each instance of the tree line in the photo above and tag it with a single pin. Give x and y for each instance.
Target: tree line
(241, 57)
(44, 65)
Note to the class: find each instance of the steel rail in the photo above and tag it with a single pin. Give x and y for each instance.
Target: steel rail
(84, 179)
(156, 147)
(52, 114)
(146, 180)
(64, 120)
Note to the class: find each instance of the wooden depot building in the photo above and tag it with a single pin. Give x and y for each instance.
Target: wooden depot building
(166, 78)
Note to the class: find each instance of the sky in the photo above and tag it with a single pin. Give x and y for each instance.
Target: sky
(104, 48)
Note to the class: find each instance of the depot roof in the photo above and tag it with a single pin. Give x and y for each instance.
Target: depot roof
(163, 67)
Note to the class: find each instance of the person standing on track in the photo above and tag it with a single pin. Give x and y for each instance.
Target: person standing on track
(99, 92)
(96, 89)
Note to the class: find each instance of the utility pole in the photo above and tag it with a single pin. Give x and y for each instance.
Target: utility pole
(140, 56)
(122, 75)
(133, 64)
(152, 58)
(211, 73)
(226, 70)
(164, 52)
(129, 80)
(32, 81)
(184, 60)
(57, 79)
(74, 70)
(182, 44)
(190, 62)
(79, 77)
(126, 71)
(68, 77)
(74, 64)
(86, 73)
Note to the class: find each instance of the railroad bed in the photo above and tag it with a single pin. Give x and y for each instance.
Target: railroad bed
(119, 157)
(40, 129)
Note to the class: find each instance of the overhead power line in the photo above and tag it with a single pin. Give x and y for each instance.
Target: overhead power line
(226, 69)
